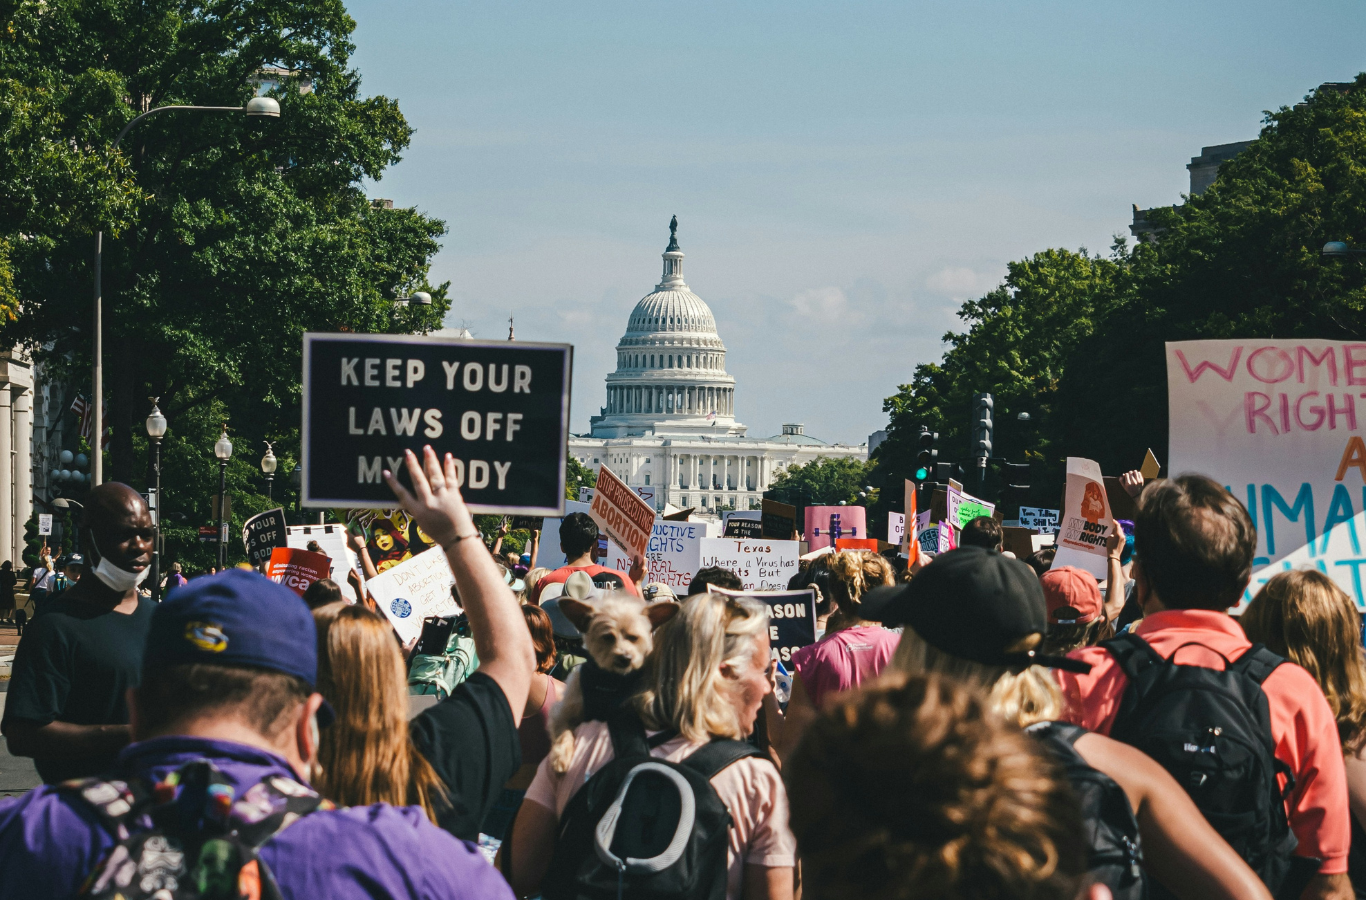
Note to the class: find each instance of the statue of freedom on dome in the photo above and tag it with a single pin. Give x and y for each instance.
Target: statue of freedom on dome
(673, 234)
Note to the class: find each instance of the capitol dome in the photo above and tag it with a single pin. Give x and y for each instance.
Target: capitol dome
(671, 364)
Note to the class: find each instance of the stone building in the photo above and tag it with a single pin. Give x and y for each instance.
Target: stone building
(670, 419)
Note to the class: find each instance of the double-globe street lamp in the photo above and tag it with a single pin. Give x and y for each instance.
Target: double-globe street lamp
(256, 108)
(223, 450)
(156, 430)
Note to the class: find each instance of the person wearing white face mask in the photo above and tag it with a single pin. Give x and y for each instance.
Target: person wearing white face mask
(66, 705)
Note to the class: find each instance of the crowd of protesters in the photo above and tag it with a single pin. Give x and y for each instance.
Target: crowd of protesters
(969, 726)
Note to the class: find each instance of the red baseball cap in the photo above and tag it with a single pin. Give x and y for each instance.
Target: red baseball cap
(1072, 596)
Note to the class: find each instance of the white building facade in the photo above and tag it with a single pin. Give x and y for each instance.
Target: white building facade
(669, 423)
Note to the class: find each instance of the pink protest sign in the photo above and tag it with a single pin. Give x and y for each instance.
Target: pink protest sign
(1276, 422)
(825, 524)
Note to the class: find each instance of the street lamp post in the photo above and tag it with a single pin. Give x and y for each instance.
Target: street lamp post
(156, 430)
(66, 503)
(256, 108)
(223, 450)
(268, 465)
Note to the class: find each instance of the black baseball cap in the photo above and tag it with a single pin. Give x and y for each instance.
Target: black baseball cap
(236, 618)
(975, 604)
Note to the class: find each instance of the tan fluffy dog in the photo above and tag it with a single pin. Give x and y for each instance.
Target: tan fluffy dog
(617, 636)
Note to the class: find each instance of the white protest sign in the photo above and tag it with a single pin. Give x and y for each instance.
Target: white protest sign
(1044, 521)
(896, 528)
(332, 540)
(1085, 522)
(762, 564)
(416, 588)
(620, 512)
(673, 555)
(646, 493)
(45, 523)
(1276, 422)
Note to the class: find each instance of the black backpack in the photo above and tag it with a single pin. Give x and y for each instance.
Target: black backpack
(190, 837)
(1114, 854)
(643, 827)
(1211, 730)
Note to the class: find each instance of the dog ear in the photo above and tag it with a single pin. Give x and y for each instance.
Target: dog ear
(661, 612)
(577, 612)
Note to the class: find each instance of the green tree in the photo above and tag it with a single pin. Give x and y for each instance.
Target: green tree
(225, 238)
(825, 481)
(1018, 340)
(1242, 260)
(577, 475)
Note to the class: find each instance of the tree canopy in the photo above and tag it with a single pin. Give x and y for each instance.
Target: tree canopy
(823, 481)
(226, 238)
(1077, 341)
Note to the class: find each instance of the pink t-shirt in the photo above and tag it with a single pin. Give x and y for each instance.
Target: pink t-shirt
(751, 788)
(844, 660)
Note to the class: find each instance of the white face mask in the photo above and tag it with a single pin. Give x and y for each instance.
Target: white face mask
(117, 579)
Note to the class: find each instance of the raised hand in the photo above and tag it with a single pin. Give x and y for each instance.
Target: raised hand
(435, 500)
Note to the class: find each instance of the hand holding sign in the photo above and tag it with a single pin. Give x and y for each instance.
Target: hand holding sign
(435, 502)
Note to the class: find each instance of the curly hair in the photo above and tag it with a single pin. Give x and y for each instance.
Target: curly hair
(854, 573)
(1303, 616)
(912, 788)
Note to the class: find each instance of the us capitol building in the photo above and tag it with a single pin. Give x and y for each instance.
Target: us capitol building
(669, 423)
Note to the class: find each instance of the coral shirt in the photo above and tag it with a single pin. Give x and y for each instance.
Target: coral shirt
(1302, 724)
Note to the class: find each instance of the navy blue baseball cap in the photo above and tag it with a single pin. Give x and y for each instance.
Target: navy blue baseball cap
(236, 618)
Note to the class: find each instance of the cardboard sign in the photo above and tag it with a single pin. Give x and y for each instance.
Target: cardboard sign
(413, 590)
(948, 537)
(297, 569)
(962, 507)
(896, 528)
(1150, 468)
(391, 535)
(791, 619)
(621, 514)
(763, 565)
(869, 544)
(910, 547)
(333, 541)
(826, 524)
(779, 520)
(1085, 519)
(262, 533)
(1122, 506)
(45, 523)
(675, 552)
(500, 408)
(1017, 541)
(585, 495)
(1280, 423)
(1036, 518)
(646, 493)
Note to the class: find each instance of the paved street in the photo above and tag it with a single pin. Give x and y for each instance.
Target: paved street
(16, 773)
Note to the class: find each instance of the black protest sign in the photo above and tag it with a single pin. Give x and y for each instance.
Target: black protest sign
(791, 620)
(501, 409)
(744, 528)
(262, 533)
(778, 520)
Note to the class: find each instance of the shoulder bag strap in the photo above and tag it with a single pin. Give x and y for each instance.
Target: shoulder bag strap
(717, 755)
(1257, 663)
(628, 735)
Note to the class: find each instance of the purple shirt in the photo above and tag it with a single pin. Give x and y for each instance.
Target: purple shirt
(50, 839)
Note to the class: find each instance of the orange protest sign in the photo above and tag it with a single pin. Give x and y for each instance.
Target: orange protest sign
(297, 569)
(621, 513)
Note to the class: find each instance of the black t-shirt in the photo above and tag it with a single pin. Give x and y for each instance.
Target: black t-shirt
(471, 742)
(74, 665)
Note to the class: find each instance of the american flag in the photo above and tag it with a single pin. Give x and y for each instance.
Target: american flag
(711, 415)
(82, 408)
(84, 411)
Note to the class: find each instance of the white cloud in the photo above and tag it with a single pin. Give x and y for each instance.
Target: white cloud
(821, 302)
(959, 282)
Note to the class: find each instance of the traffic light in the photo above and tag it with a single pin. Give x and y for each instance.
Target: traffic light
(982, 408)
(944, 472)
(925, 458)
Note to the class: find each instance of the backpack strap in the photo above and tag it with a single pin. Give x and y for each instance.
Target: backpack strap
(1063, 731)
(1134, 655)
(1257, 663)
(717, 755)
(628, 735)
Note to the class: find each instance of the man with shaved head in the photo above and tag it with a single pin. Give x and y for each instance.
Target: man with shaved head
(74, 665)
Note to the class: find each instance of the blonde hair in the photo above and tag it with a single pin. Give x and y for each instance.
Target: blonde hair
(684, 687)
(1303, 616)
(854, 573)
(533, 577)
(1021, 698)
(368, 756)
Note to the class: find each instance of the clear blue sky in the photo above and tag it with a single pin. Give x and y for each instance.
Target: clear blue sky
(844, 174)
